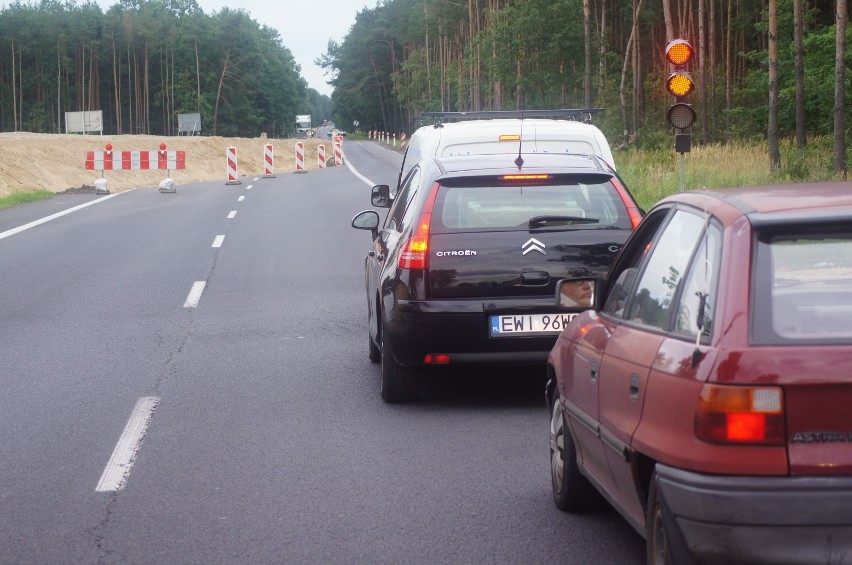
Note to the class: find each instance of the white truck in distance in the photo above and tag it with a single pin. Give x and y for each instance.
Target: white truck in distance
(303, 126)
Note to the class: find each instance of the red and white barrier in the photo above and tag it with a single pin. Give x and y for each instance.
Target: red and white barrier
(321, 156)
(232, 166)
(338, 150)
(110, 160)
(402, 140)
(268, 161)
(300, 157)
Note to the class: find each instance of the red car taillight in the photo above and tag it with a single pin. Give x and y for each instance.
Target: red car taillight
(741, 415)
(415, 252)
(632, 210)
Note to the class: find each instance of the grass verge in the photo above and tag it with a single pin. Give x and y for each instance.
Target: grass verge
(22, 197)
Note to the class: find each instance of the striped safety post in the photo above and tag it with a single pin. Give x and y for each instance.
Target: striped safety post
(394, 140)
(300, 157)
(338, 150)
(268, 162)
(321, 156)
(402, 140)
(232, 166)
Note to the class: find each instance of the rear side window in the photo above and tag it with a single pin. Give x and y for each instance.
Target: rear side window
(809, 278)
(492, 205)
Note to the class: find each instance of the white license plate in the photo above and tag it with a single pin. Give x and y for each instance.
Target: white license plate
(529, 324)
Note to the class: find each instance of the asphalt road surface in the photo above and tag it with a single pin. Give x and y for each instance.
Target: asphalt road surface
(185, 380)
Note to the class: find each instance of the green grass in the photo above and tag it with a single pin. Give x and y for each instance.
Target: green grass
(22, 197)
(651, 175)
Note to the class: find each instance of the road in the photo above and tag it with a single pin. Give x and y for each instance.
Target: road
(144, 422)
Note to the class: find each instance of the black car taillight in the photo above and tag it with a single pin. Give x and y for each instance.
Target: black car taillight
(632, 210)
(415, 252)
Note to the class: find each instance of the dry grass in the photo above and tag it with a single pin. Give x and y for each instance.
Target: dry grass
(651, 175)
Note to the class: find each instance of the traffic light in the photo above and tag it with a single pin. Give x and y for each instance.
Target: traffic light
(679, 53)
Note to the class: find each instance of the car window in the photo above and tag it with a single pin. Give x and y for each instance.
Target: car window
(493, 205)
(402, 200)
(701, 281)
(802, 290)
(624, 272)
(653, 298)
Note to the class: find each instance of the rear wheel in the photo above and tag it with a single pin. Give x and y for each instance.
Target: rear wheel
(656, 540)
(572, 491)
(399, 383)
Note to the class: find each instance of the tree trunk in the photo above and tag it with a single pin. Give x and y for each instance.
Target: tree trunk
(587, 69)
(219, 89)
(772, 130)
(623, 87)
(798, 32)
(840, 90)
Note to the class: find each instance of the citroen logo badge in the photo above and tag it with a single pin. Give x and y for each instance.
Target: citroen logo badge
(534, 245)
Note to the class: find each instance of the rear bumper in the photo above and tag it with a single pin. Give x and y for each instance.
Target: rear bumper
(460, 329)
(772, 520)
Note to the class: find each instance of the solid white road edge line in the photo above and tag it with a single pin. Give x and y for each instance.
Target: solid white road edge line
(220, 239)
(118, 468)
(46, 219)
(194, 294)
(349, 166)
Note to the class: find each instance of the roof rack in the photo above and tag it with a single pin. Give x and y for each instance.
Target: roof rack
(574, 114)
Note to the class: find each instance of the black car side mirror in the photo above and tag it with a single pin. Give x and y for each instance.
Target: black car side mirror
(380, 196)
(367, 220)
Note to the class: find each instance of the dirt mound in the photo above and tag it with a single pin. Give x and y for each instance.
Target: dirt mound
(55, 162)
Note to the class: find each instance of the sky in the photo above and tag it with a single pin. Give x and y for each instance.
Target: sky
(305, 26)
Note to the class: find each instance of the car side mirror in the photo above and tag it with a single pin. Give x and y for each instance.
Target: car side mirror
(380, 196)
(576, 293)
(367, 220)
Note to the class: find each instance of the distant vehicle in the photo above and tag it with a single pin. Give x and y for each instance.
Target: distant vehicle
(464, 267)
(303, 126)
(494, 133)
(707, 393)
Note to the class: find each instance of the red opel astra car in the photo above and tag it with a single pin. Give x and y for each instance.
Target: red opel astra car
(707, 395)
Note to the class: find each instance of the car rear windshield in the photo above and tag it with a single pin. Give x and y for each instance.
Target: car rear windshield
(810, 278)
(553, 203)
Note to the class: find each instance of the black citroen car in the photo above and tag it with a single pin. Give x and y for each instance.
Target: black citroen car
(464, 268)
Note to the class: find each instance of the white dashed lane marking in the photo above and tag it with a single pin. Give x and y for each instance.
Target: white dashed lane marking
(194, 294)
(232, 215)
(220, 239)
(118, 467)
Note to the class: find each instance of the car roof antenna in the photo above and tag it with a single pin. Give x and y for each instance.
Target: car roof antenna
(520, 160)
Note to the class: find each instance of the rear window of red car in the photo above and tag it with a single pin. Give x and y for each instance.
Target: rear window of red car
(809, 278)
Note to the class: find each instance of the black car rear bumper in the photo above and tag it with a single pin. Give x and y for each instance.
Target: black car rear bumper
(772, 520)
(460, 329)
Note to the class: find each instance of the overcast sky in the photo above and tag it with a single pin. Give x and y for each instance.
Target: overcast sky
(305, 26)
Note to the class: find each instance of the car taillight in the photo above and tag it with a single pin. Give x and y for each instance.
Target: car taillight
(415, 252)
(741, 415)
(632, 210)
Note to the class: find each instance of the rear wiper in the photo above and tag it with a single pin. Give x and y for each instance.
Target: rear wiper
(540, 221)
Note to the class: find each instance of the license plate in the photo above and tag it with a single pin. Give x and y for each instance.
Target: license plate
(529, 324)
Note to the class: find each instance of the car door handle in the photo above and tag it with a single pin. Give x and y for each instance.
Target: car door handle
(596, 365)
(634, 387)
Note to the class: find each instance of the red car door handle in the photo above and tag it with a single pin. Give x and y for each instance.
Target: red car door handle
(634, 387)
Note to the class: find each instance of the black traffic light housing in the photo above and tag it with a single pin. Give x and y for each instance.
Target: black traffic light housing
(679, 53)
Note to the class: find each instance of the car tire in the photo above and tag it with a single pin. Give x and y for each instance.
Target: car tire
(373, 352)
(399, 383)
(657, 543)
(572, 492)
